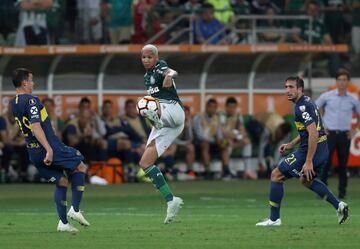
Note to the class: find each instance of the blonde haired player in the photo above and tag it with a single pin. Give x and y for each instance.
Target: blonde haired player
(168, 123)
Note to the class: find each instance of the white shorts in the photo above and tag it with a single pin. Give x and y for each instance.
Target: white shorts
(173, 117)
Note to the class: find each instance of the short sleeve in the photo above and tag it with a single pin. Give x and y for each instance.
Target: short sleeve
(306, 114)
(321, 101)
(162, 67)
(356, 106)
(33, 108)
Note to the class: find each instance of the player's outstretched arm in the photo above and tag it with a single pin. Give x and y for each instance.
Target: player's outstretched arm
(289, 145)
(40, 136)
(169, 75)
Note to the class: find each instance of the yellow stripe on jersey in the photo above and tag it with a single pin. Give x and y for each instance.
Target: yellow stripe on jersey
(300, 126)
(17, 99)
(43, 114)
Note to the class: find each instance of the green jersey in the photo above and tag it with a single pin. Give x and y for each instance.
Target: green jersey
(154, 80)
(319, 30)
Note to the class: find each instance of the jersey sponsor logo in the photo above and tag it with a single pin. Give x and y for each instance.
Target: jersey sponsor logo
(34, 110)
(32, 101)
(152, 90)
(302, 108)
(306, 116)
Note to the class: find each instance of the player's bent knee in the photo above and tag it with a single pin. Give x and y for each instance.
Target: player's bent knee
(63, 182)
(81, 168)
(277, 176)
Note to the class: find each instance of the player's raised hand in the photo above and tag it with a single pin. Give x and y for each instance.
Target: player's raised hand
(48, 158)
(167, 83)
(308, 170)
(282, 148)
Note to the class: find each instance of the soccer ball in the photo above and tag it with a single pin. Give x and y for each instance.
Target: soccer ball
(146, 103)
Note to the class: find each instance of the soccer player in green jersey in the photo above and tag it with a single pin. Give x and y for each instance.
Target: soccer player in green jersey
(168, 123)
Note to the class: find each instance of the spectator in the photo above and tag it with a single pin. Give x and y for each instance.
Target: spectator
(207, 131)
(8, 20)
(55, 19)
(240, 7)
(13, 146)
(56, 122)
(355, 31)
(319, 34)
(146, 22)
(207, 26)
(271, 24)
(81, 134)
(337, 106)
(275, 132)
(97, 122)
(70, 19)
(334, 19)
(186, 147)
(88, 25)
(120, 20)
(33, 28)
(223, 11)
(234, 133)
(118, 138)
(138, 127)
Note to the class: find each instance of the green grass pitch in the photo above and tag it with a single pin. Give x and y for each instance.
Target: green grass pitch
(215, 215)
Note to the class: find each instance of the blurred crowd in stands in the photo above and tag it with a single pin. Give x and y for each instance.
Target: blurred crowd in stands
(38, 22)
(214, 144)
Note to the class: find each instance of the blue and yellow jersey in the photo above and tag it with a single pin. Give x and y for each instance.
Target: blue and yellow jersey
(27, 110)
(306, 113)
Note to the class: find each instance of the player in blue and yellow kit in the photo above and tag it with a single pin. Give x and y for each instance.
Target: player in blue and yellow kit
(55, 161)
(308, 160)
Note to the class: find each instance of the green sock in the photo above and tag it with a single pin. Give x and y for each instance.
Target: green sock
(159, 182)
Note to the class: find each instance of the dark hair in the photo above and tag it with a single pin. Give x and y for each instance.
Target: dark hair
(85, 100)
(299, 81)
(129, 101)
(211, 101)
(206, 7)
(107, 101)
(19, 75)
(231, 100)
(342, 71)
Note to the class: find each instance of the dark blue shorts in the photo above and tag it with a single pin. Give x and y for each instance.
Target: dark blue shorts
(292, 165)
(65, 159)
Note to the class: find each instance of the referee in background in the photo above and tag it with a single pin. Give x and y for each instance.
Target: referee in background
(337, 107)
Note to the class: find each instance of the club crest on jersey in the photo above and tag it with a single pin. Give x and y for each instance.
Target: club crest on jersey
(34, 110)
(302, 108)
(32, 101)
(306, 116)
(152, 80)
